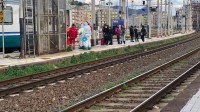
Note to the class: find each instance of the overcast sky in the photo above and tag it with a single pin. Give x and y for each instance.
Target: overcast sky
(176, 3)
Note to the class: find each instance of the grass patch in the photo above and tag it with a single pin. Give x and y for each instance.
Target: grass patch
(136, 85)
(96, 107)
(15, 71)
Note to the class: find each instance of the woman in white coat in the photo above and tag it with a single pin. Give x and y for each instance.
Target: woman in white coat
(81, 34)
(86, 39)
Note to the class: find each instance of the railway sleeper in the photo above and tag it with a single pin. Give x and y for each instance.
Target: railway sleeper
(152, 82)
(162, 76)
(158, 84)
(159, 79)
(125, 95)
(125, 100)
(140, 91)
(109, 105)
(165, 75)
(147, 88)
(94, 109)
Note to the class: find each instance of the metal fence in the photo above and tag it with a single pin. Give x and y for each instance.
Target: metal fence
(50, 23)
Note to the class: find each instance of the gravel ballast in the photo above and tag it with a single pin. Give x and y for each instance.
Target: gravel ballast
(61, 94)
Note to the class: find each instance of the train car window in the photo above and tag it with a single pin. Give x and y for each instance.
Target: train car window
(8, 15)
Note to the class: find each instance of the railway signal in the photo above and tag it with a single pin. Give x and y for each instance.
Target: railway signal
(1, 16)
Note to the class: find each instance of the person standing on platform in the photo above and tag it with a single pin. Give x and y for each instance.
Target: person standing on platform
(81, 33)
(143, 33)
(73, 33)
(110, 36)
(117, 32)
(123, 34)
(67, 32)
(131, 33)
(105, 34)
(136, 34)
(86, 38)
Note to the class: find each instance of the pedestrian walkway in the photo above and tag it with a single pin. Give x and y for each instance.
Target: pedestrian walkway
(12, 59)
(193, 105)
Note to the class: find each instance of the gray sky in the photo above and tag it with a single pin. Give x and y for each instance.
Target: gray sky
(176, 3)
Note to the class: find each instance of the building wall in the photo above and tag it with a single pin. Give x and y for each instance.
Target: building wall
(103, 18)
(81, 14)
(196, 14)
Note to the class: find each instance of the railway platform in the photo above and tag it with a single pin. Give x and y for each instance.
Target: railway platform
(188, 100)
(13, 58)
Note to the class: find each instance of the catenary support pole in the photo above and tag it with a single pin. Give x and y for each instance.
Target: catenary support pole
(109, 21)
(169, 17)
(21, 22)
(161, 18)
(127, 16)
(93, 21)
(149, 18)
(165, 17)
(124, 12)
(197, 20)
(158, 16)
(3, 46)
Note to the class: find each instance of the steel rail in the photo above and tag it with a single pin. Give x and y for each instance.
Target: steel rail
(25, 86)
(161, 93)
(42, 74)
(99, 97)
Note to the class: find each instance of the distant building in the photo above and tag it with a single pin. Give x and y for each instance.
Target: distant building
(81, 14)
(137, 20)
(196, 14)
(103, 18)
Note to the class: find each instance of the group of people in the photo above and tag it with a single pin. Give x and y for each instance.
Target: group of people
(134, 33)
(107, 35)
(85, 33)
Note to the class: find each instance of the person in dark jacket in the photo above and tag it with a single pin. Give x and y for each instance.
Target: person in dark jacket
(131, 33)
(136, 34)
(143, 33)
(111, 33)
(105, 33)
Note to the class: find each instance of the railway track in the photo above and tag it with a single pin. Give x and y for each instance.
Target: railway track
(142, 92)
(23, 83)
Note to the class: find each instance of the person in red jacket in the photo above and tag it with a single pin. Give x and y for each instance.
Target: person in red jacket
(73, 32)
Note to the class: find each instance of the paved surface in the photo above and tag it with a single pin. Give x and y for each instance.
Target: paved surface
(13, 58)
(188, 100)
(193, 105)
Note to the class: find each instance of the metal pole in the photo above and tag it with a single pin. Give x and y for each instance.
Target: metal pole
(21, 21)
(3, 46)
(197, 20)
(161, 15)
(168, 19)
(109, 23)
(165, 17)
(172, 25)
(3, 34)
(148, 18)
(127, 17)
(93, 21)
(185, 19)
(124, 12)
(158, 13)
